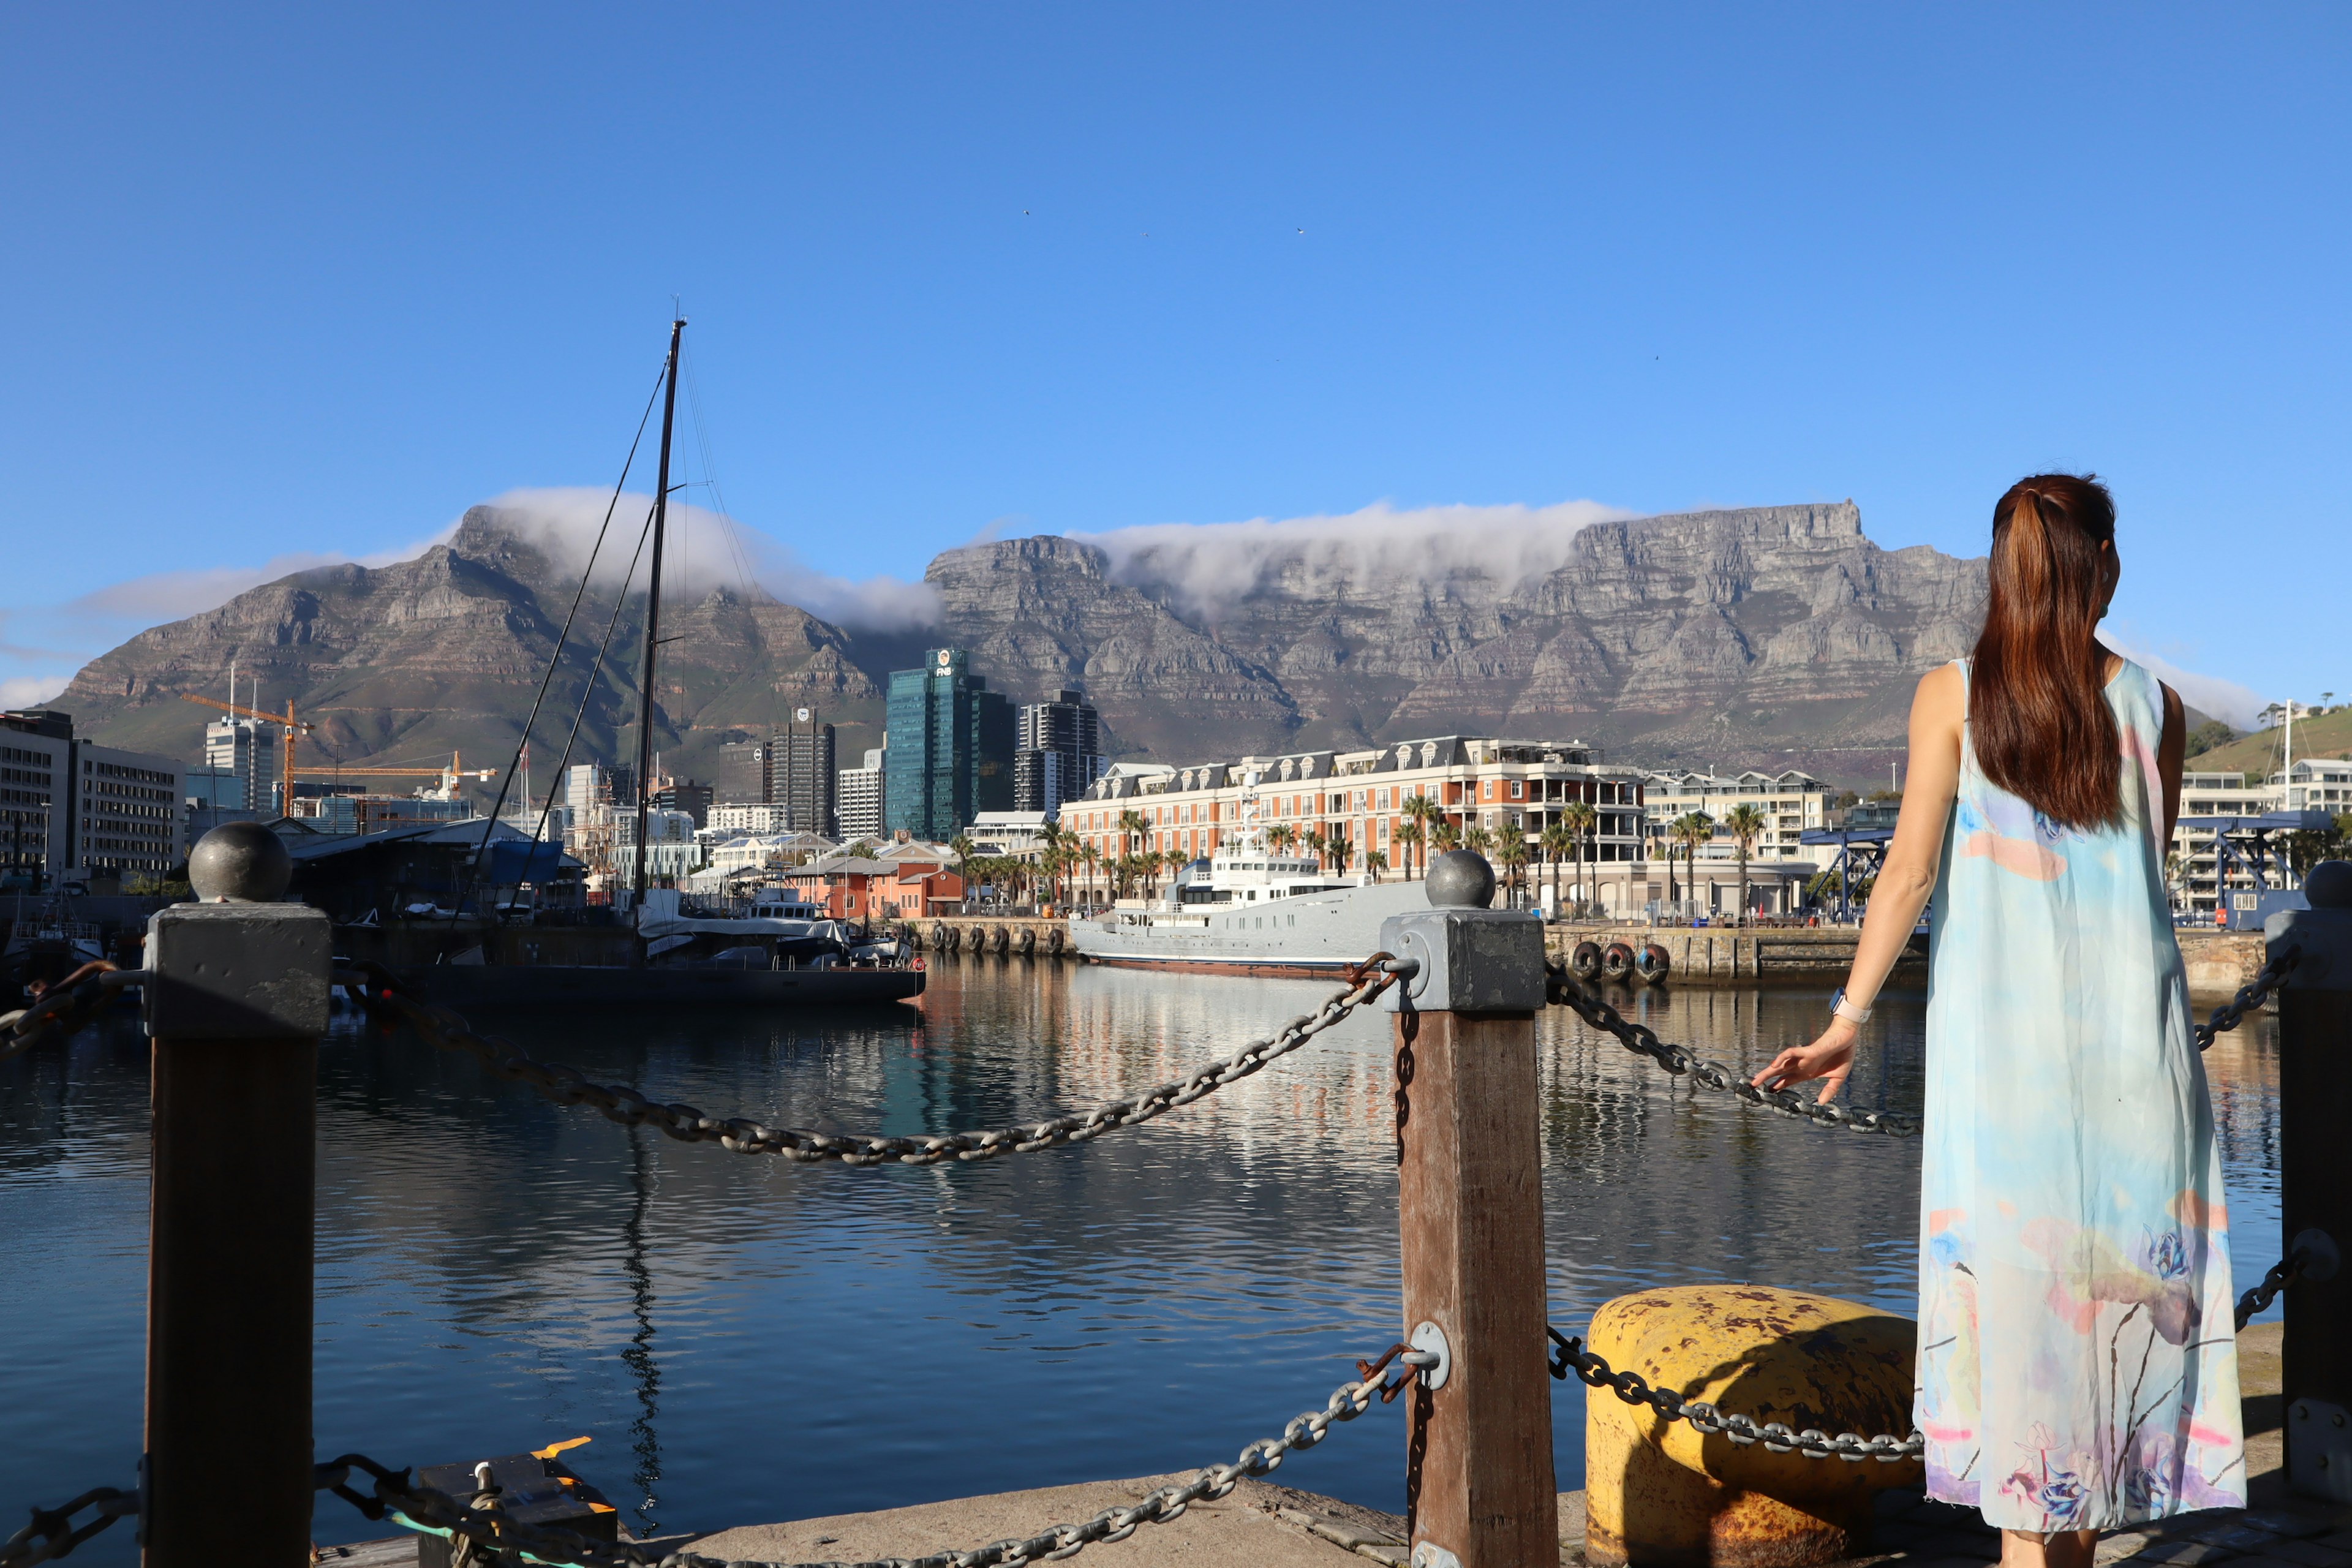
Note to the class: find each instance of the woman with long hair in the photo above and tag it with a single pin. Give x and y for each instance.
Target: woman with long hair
(2077, 1364)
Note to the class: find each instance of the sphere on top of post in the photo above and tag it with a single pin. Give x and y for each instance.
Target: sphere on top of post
(1460, 878)
(2328, 885)
(241, 863)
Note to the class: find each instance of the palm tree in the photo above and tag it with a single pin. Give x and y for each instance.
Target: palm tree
(1511, 853)
(1445, 836)
(1478, 839)
(1690, 830)
(1581, 820)
(1089, 860)
(962, 847)
(1421, 812)
(1746, 823)
(1557, 842)
(1281, 835)
(1376, 861)
(1341, 852)
(1132, 826)
(1313, 842)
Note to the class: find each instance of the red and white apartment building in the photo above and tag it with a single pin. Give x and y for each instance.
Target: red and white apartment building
(1359, 797)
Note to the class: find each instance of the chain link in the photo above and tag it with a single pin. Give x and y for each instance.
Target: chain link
(379, 991)
(1570, 1355)
(2249, 997)
(2283, 1273)
(421, 1508)
(1641, 1040)
(53, 1533)
(65, 1007)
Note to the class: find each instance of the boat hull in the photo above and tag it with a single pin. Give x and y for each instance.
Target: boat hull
(1323, 934)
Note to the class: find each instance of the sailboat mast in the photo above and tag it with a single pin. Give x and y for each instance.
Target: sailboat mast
(653, 616)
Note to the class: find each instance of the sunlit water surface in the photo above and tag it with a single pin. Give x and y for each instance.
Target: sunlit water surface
(749, 1339)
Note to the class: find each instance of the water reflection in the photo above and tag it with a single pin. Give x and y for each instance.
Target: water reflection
(749, 1338)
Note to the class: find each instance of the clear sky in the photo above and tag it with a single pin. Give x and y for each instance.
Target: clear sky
(308, 280)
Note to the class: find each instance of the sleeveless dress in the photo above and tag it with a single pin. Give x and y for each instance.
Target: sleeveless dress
(2077, 1364)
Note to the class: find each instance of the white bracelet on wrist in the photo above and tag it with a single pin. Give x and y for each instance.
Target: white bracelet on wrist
(1842, 1008)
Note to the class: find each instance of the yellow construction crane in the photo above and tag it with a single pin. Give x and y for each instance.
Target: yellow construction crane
(292, 726)
(453, 772)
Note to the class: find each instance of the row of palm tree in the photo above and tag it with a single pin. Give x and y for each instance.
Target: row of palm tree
(1745, 822)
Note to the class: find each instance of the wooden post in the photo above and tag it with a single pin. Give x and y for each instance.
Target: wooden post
(1479, 1480)
(237, 999)
(2314, 1180)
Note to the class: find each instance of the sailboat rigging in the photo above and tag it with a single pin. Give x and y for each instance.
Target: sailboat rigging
(653, 619)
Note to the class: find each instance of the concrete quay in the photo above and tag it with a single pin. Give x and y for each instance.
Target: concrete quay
(1264, 1525)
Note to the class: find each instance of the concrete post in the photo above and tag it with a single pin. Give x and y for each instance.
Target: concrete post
(1478, 1475)
(2314, 1179)
(237, 999)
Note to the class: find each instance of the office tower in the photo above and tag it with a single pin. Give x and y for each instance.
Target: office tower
(801, 772)
(951, 748)
(859, 801)
(1057, 752)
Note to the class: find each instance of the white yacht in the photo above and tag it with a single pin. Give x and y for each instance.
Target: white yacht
(1249, 909)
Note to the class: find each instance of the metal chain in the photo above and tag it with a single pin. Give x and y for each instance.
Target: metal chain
(1570, 1355)
(421, 1508)
(2248, 998)
(379, 991)
(2283, 1273)
(53, 1533)
(1641, 1040)
(65, 1007)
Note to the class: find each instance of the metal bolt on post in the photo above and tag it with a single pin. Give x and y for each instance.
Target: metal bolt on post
(236, 1003)
(1478, 1466)
(2314, 1183)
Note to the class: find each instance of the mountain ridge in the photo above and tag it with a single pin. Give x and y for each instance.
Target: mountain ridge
(1768, 636)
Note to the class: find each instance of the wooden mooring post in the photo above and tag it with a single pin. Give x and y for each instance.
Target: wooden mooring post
(1478, 1477)
(236, 1000)
(2314, 1180)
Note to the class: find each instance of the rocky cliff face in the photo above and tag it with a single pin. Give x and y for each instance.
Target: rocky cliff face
(446, 652)
(1769, 637)
(1772, 635)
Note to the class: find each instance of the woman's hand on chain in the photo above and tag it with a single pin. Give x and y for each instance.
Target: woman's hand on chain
(1829, 1058)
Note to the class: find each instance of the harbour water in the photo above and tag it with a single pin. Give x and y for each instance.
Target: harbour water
(750, 1339)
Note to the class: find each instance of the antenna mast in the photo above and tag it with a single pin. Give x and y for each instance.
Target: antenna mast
(653, 616)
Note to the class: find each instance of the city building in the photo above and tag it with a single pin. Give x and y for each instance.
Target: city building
(1356, 800)
(1791, 804)
(73, 808)
(1057, 752)
(858, 801)
(802, 774)
(950, 750)
(685, 795)
(1021, 833)
(743, 777)
(2315, 784)
(672, 852)
(247, 751)
(127, 815)
(859, 888)
(744, 816)
(36, 761)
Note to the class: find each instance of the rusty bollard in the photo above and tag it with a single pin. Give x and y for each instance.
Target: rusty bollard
(1659, 1493)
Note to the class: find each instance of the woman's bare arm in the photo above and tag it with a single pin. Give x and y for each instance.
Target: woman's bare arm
(2172, 753)
(1905, 881)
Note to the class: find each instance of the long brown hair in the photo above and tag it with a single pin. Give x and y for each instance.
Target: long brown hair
(2038, 713)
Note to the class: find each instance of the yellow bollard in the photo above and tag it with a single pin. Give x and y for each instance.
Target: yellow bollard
(1657, 1492)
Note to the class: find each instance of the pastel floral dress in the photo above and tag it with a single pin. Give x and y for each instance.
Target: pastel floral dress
(2078, 1367)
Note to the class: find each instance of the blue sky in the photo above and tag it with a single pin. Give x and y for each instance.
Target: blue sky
(307, 282)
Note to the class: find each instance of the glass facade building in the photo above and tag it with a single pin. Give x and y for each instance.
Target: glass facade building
(949, 756)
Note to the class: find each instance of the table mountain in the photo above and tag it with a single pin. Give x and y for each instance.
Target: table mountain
(1771, 636)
